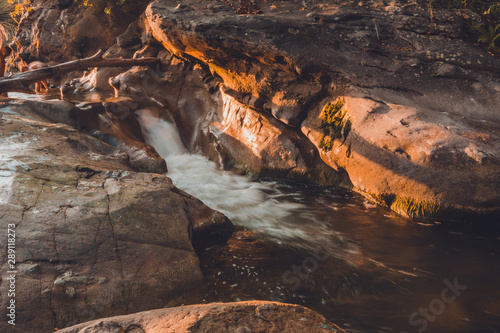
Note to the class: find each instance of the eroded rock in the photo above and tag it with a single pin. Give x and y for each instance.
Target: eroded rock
(212, 120)
(54, 33)
(111, 121)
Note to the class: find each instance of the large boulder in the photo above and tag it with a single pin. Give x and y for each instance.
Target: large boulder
(421, 164)
(93, 238)
(111, 121)
(240, 317)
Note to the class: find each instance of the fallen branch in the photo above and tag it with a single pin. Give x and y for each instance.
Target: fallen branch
(21, 81)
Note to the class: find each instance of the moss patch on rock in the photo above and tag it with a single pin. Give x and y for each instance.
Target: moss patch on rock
(414, 208)
(421, 210)
(334, 124)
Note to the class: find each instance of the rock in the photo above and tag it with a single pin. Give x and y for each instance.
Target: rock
(213, 121)
(208, 227)
(265, 146)
(55, 111)
(63, 4)
(253, 316)
(96, 237)
(59, 31)
(96, 79)
(131, 36)
(113, 122)
(70, 292)
(110, 121)
(86, 29)
(30, 268)
(409, 158)
(283, 64)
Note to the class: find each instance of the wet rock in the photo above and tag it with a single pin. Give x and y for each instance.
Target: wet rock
(112, 121)
(266, 146)
(212, 119)
(55, 111)
(207, 226)
(253, 316)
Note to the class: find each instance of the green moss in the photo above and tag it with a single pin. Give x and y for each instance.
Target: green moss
(427, 211)
(326, 143)
(384, 198)
(414, 208)
(334, 125)
(410, 207)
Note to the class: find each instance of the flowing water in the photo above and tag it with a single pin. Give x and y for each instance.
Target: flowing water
(358, 264)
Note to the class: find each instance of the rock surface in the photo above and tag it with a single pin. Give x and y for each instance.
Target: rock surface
(111, 121)
(52, 33)
(253, 316)
(423, 102)
(421, 155)
(213, 121)
(93, 237)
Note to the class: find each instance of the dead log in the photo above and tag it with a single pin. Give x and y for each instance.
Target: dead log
(21, 81)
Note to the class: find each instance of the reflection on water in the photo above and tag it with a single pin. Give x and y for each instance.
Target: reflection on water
(361, 266)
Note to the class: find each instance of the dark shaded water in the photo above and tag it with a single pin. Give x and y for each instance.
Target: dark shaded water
(403, 276)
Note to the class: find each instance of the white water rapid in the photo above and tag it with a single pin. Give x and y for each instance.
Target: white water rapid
(259, 206)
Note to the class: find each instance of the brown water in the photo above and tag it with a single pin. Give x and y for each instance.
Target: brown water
(397, 275)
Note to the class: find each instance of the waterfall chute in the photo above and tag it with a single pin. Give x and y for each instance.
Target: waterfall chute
(260, 206)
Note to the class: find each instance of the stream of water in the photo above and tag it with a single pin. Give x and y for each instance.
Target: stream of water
(358, 264)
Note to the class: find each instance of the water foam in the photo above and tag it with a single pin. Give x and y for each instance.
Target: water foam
(259, 206)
